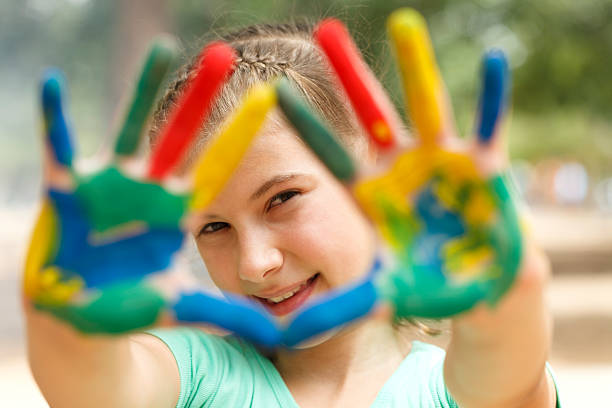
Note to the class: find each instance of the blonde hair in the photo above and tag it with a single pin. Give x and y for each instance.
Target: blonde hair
(265, 52)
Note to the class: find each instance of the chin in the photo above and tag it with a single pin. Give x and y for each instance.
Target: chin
(318, 339)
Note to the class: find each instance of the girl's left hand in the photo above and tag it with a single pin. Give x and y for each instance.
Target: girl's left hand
(440, 203)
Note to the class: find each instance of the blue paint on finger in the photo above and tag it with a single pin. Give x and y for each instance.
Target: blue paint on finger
(492, 105)
(100, 264)
(56, 126)
(233, 313)
(333, 310)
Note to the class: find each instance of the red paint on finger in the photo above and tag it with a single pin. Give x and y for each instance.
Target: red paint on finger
(216, 63)
(364, 92)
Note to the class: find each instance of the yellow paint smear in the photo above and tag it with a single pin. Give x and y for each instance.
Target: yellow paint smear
(217, 163)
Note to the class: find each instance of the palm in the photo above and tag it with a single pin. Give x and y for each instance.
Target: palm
(103, 247)
(450, 230)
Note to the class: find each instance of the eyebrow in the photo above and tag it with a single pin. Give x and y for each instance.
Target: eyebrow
(271, 183)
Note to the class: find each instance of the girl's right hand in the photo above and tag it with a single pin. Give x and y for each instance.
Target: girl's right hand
(101, 236)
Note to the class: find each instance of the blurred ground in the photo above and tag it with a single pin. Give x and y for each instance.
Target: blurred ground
(578, 241)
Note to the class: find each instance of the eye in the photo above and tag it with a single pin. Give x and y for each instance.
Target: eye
(280, 198)
(213, 227)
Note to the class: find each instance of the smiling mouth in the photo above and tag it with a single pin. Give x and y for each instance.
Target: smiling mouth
(290, 301)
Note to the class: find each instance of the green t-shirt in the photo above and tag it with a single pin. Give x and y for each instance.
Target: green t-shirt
(221, 372)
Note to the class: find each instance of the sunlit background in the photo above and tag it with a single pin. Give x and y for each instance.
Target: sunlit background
(560, 137)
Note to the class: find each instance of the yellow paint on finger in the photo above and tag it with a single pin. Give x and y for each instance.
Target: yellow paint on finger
(41, 246)
(421, 79)
(53, 291)
(470, 263)
(218, 162)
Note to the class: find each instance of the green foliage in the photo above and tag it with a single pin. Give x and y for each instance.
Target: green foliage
(560, 51)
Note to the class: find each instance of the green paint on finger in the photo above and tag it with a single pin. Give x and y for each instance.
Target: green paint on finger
(159, 60)
(313, 132)
(506, 238)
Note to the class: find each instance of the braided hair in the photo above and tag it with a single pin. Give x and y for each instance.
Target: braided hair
(265, 52)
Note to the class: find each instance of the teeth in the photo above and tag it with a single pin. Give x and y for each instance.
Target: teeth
(287, 295)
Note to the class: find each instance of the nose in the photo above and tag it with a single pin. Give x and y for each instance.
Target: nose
(259, 257)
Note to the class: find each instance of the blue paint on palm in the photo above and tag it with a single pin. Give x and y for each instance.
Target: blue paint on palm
(130, 258)
(440, 225)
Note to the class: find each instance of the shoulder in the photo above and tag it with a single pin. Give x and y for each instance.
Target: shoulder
(217, 370)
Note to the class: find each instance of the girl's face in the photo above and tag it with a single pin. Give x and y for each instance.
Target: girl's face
(283, 230)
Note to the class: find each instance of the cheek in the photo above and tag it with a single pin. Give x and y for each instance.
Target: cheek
(333, 234)
(219, 267)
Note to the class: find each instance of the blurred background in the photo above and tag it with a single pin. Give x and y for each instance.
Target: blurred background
(560, 137)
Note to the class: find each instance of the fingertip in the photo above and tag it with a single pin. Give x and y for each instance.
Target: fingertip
(328, 26)
(215, 65)
(313, 131)
(162, 54)
(229, 146)
(493, 99)
(166, 46)
(53, 86)
(367, 96)
(404, 20)
(263, 95)
(423, 88)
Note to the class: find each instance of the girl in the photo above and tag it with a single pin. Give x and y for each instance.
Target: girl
(282, 231)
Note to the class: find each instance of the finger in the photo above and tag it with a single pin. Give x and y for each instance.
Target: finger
(41, 249)
(216, 64)
(218, 162)
(118, 308)
(493, 99)
(159, 60)
(312, 130)
(334, 310)
(423, 90)
(56, 126)
(236, 315)
(367, 96)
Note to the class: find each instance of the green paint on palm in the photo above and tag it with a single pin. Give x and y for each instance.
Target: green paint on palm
(119, 308)
(143, 202)
(412, 287)
(312, 130)
(160, 57)
(505, 238)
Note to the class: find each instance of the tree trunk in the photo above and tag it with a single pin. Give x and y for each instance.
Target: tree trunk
(137, 22)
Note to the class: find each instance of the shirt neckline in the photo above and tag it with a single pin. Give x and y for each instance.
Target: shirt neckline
(285, 398)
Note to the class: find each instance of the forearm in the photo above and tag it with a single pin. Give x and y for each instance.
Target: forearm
(497, 356)
(72, 369)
